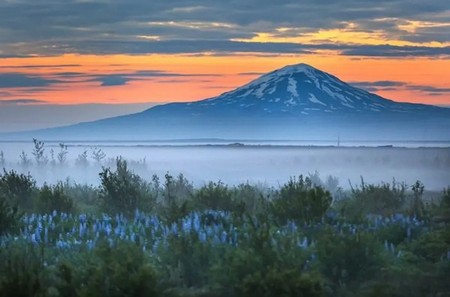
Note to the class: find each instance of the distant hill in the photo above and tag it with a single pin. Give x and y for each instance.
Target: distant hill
(295, 102)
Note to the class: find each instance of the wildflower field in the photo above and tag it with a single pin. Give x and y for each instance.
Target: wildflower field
(133, 237)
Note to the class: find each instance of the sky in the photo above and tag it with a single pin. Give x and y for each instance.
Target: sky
(68, 61)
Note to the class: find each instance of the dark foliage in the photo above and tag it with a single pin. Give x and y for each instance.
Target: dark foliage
(123, 191)
(52, 198)
(300, 200)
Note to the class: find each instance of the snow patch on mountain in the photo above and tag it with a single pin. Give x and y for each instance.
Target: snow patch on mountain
(292, 87)
(313, 99)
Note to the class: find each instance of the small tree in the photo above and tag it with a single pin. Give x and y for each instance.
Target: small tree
(384, 199)
(17, 188)
(445, 200)
(62, 155)
(52, 198)
(417, 205)
(52, 157)
(215, 196)
(82, 159)
(300, 200)
(9, 217)
(287, 283)
(2, 160)
(98, 155)
(39, 152)
(123, 190)
(25, 162)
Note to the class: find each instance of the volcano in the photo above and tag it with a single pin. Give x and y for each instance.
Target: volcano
(296, 102)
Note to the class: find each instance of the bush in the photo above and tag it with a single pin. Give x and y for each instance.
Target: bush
(300, 200)
(17, 188)
(347, 258)
(385, 199)
(123, 191)
(21, 271)
(120, 270)
(417, 205)
(445, 200)
(9, 218)
(175, 197)
(287, 283)
(52, 198)
(214, 196)
(250, 198)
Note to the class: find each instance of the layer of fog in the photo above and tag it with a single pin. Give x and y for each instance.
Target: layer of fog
(236, 164)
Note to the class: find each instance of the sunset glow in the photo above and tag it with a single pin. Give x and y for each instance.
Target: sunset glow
(120, 52)
(77, 78)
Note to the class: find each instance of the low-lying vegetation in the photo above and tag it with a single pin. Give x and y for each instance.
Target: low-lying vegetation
(136, 237)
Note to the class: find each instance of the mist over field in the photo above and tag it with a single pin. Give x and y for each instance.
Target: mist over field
(235, 163)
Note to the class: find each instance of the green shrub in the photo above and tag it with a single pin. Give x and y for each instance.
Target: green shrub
(385, 199)
(123, 191)
(176, 196)
(17, 188)
(445, 200)
(21, 271)
(9, 218)
(300, 200)
(215, 196)
(285, 283)
(417, 205)
(86, 197)
(52, 198)
(250, 198)
(348, 258)
(122, 270)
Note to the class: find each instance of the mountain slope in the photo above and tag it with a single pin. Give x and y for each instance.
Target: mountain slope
(294, 102)
(294, 91)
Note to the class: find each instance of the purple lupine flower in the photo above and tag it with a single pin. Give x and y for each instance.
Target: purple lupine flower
(202, 236)
(46, 235)
(37, 235)
(33, 238)
(223, 237)
(174, 229)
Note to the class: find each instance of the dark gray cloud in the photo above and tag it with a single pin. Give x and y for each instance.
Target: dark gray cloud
(3, 56)
(119, 79)
(37, 82)
(251, 73)
(161, 73)
(21, 101)
(396, 51)
(375, 84)
(40, 66)
(430, 89)
(19, 80)
(226, 47)
(388, 85)
(105, 26)
(112, 80)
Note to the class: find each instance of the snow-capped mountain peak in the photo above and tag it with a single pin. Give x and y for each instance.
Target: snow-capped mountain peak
(301, 89)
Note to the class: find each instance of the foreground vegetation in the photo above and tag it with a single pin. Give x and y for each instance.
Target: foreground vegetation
(136, 237)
